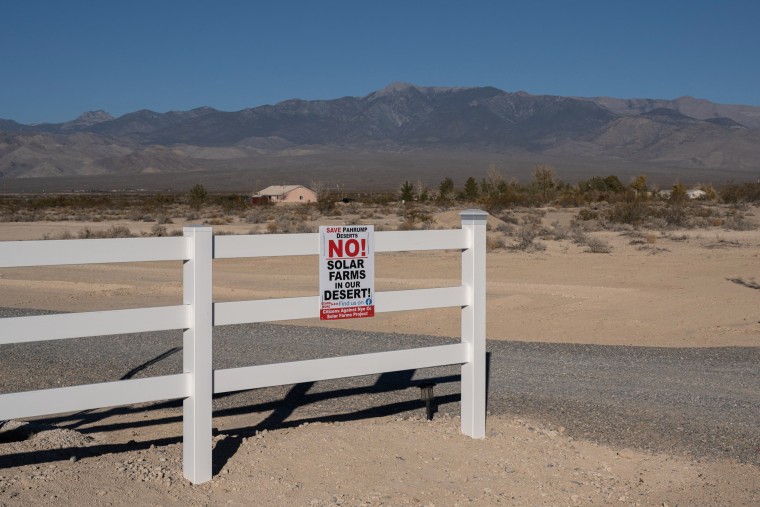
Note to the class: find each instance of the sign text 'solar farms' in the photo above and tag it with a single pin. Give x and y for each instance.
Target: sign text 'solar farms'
(346, 271)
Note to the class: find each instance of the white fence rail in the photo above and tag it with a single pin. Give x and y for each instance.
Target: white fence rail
(198, 314)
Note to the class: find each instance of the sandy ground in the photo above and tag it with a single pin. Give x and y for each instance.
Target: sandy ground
(373, 462)
(691, 288)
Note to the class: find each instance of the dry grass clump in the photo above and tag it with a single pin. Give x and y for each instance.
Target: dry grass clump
(493, 244)
(115, 231)
(593, 244)
(738, 223)
(597, 245)
(677, 237)
(558, 232)
(289, 227)
(413, 218)
(526, 240)
(721, 242)
(658, 214)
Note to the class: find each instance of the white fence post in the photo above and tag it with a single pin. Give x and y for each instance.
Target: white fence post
(474, 324)
(197, 360)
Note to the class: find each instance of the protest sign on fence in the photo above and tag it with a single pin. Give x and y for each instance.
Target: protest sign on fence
(346, 272)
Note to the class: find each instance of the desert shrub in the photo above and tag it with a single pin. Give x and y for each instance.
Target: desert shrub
(61, 235)
(295, 227)
(413, 218)
(633, 212)
(677, 237)
(597, 245)
(197, 196)
(158, 231)
(587, 214)
(534, 216)
(115, 231)
(598, 188)
(675, 212)
(558, 232)
(407, 224)
(571, 198)
(738, 223)
(493, 244)
(579, 237)
(733, 193)
(509, 218)
(526, 237)
(406, 191)
(230, 202)
(253, 218)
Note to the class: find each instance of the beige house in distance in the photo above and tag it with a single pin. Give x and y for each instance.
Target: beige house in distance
(287, 194)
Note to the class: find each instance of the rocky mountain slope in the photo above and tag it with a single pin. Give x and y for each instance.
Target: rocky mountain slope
(684, 133)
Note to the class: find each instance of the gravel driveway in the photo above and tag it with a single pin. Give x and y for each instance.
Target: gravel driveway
(705, 402)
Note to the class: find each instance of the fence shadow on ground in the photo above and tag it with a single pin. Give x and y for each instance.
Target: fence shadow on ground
(281, 410)
(750, 284)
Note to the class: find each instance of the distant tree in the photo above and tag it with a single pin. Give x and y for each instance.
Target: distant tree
(604, 185)
(639, 186)
(407, 191)
(446, 188)
(678, 195)
(614, 184)
(197, 196)
(325, 201)
(494, 191)
(421, 191)
(471, 189)
(710, 192)
(543, 176)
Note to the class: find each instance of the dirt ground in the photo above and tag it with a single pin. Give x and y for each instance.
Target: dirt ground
(690, 288)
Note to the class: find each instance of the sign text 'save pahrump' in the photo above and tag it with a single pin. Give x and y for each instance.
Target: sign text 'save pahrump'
(346, 272)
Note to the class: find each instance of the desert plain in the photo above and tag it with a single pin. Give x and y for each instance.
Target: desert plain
(655, 288)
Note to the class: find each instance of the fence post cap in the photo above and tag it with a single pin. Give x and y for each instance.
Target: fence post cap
(474, 216)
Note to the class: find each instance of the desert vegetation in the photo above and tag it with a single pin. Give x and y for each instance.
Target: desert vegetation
(592, 208)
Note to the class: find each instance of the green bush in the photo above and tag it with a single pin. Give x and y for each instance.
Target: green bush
(197, 196)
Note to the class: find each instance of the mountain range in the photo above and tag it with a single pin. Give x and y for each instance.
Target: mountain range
(685, 136)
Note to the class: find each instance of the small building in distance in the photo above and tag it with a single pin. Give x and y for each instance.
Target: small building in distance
(285, 194)
(696, 194)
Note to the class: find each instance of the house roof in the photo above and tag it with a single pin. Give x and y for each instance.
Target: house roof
(278, 190)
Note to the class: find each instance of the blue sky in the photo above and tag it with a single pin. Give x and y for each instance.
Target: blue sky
(62, 58)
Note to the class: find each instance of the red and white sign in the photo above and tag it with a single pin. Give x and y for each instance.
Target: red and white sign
(346, 272)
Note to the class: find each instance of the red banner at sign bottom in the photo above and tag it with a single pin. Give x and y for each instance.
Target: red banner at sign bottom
(350, 312)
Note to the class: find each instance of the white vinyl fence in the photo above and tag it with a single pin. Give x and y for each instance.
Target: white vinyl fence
(199, 314)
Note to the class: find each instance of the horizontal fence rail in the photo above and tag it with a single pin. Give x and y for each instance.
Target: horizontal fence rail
(198, 314)
(76, 325)
(14, 254)
(313, 370)
(92, 396)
